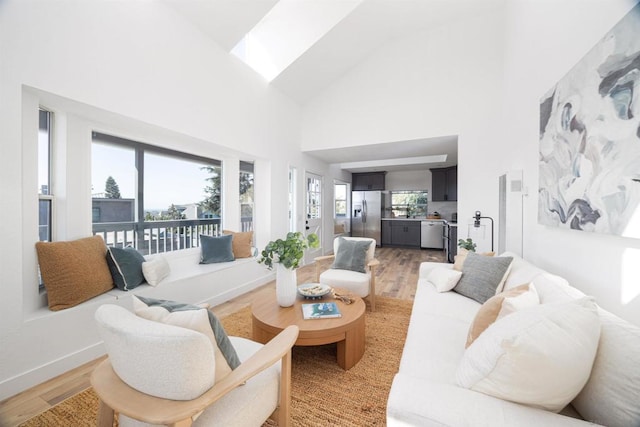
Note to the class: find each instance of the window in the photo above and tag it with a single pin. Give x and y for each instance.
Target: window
(314, 196)
(340, 197)
(341, 220)
(113, 182)
(246, 196)
(45, 203)
(406, 204)
(154, 199)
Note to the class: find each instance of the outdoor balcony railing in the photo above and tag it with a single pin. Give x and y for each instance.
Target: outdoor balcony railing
(152, 237)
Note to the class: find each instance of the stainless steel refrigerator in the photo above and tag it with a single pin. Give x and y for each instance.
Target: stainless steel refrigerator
(366, 214)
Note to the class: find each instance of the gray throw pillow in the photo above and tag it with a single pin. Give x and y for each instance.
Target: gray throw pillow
(216, 249)
(352, 255)
(125, 265)
(481, 276)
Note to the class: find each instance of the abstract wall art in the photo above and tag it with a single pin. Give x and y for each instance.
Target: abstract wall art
(589, 164)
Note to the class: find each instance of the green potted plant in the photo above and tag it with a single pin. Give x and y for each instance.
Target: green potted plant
(287, 255)
(467, 244)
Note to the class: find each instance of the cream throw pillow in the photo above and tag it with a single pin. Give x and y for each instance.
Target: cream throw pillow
(194, 318)
(155, 270)
(444, 279)
(495, 307)
(513, 303)
(540, 357)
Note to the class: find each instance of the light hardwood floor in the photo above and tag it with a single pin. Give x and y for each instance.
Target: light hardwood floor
(396, 277)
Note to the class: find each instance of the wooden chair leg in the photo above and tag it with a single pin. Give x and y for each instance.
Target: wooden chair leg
(372, 290)
(284, 411)
(105, 415)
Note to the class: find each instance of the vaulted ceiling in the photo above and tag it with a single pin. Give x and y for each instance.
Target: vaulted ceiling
(371, 24)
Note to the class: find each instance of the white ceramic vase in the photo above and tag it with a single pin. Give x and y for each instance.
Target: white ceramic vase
(286, 286)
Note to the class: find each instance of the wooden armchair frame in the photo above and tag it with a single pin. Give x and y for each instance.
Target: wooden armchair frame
(371, 265)
(117, 396)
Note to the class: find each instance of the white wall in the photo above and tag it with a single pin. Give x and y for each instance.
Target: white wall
(447, 81)
(545, 40)
(481, 78)
(134, 69)
(408, 180)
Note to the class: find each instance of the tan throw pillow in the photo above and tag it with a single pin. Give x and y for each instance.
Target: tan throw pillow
(490, 310)
(462, 255)
(74, 271)
(241, 243)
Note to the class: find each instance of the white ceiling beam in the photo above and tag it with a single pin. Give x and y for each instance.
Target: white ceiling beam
(441, 158)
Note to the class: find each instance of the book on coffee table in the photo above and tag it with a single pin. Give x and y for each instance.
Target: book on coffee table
(320, 310)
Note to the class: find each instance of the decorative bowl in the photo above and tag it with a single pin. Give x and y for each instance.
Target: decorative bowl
(313, 290)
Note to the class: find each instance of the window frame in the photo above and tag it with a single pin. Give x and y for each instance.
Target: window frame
(139, 223)
(48, 197)
(345, 200)
(247, 168)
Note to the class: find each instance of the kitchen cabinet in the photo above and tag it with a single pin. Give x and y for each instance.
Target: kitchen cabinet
(386, 233)
(444, 184)
(405, 233)
(367, 181)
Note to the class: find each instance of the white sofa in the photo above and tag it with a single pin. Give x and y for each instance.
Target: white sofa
(425, 392)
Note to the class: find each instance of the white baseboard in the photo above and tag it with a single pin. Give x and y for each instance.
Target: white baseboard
(33, 377)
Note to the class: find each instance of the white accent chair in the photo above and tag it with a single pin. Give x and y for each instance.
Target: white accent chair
(361, 284)
(159, 374)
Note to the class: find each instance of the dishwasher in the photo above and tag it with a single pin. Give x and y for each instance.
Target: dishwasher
(431, 234)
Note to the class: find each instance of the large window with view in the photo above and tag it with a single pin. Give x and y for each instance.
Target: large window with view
(153, 199)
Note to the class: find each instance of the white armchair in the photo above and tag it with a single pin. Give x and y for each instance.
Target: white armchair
(164, 375)
(362, 284)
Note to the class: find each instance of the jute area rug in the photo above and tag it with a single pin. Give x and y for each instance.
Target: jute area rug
(322, 393)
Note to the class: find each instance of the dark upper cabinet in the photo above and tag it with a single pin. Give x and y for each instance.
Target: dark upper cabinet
(367, 181)
(444, 184)
(438, 185)
(452, 183)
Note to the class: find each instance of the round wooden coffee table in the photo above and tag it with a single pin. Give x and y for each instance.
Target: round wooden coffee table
(269, 319)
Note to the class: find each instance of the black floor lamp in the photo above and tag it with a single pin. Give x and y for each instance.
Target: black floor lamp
(476, 224)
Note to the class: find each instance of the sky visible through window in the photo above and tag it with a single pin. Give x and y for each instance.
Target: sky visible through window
(167, 180)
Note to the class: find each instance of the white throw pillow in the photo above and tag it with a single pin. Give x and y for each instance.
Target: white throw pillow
(444, 279)
(519, 302)
(540, 356)
(155, 270)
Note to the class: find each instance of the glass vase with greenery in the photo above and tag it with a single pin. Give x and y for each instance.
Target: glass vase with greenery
(288, 252)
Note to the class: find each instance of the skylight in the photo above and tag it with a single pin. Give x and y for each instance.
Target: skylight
(289, 29)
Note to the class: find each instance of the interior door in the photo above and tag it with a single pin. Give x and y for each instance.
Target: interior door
(313, 211)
